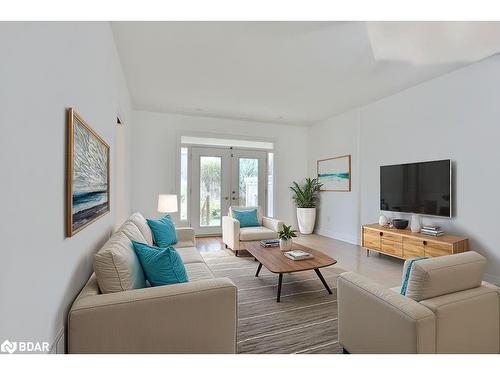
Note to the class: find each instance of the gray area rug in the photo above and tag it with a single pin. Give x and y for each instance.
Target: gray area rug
(305, 321)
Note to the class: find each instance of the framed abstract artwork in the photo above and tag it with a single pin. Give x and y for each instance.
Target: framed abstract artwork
(335, 173)
(87, 175)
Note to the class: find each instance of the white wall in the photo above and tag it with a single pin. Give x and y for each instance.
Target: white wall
(338, 212)
(155, 150)
(455, 116)
(47, 67)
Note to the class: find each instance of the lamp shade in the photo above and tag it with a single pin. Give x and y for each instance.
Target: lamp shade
(167, 203)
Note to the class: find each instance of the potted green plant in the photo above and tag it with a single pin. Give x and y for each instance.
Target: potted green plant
(306, 197)
(285, 235)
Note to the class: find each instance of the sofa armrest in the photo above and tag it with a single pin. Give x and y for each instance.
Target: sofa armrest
(273, 224)
(194, 317)
(467, 321)
(373, 319)
(185, 237)
(231, 232)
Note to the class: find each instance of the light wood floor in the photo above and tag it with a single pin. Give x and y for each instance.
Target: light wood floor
(379, 268)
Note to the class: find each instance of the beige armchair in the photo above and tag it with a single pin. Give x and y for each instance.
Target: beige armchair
(446, 309)
(235, 237)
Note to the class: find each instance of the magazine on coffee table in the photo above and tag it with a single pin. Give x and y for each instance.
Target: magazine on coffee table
(298, 255)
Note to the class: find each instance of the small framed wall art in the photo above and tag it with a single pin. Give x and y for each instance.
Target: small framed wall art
(87, 175)
(335, 173)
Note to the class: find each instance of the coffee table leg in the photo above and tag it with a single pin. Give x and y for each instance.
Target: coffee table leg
(323, 280)
(258, 269)
(280, 280)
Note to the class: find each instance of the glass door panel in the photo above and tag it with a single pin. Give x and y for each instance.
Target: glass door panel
(248, 182)
(210, 177)
(210, 191)
(248, 188)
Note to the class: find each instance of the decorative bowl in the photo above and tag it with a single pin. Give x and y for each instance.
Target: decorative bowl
(400, 223)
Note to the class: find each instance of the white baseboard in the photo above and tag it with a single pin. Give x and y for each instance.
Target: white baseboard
(338, 236)
(492, 278)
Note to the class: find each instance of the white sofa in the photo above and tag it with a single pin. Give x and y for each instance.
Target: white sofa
(235, 237)
(113, 314)
(447, 309)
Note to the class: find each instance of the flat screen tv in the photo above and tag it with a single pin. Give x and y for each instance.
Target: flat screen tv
(420, 188)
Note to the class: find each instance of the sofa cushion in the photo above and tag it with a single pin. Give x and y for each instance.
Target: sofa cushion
(198, 271)
(163, 229)
(257, 234)
(446, 274)
(116, 266)
(132, 232)
(143, 226)
(162, 266)
(189, 255)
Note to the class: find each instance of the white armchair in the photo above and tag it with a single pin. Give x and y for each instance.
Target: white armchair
(235, 237)
(446, 309)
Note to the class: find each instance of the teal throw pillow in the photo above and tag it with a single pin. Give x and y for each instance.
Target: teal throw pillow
(247, 218)
(163, 231)
(407, 272)
(160, 266)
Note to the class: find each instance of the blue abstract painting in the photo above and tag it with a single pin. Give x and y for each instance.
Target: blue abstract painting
(89, 175)
(335, 173)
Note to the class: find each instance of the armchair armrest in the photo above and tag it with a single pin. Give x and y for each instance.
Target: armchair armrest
(273, 224)
(231, 232)
(185, 237)
(377, 320)
(194, 317)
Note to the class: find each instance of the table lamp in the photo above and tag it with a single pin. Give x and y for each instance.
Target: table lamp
(167, 203)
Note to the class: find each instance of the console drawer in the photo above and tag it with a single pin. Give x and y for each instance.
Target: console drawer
(413, 248)
(392, 237)
(435, 249)
(392, 247)
(371, 239)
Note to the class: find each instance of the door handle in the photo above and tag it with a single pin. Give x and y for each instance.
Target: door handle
(234, 198)
(226, 198)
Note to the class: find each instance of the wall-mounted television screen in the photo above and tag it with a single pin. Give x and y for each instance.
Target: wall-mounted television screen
(421, 188)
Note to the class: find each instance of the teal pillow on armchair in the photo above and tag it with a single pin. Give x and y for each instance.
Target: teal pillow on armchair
(163, 231)
(247, 218)
(160, 266)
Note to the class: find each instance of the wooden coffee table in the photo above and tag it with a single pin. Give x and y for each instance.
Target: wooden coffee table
(275, 261)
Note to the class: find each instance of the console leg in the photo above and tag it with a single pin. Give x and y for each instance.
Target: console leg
(344, 351)
(236, 252)
(367, 252)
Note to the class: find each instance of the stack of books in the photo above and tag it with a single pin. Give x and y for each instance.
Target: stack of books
(269, 243)
(298, 255)
(432, 230)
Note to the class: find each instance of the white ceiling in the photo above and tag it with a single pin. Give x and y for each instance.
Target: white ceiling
(285, 72)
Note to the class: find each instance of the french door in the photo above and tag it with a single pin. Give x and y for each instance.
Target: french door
(221, 178)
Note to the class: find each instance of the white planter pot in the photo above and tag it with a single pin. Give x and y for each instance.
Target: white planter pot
(286, 245)
(306, 218)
